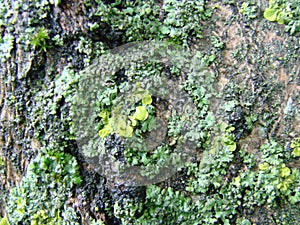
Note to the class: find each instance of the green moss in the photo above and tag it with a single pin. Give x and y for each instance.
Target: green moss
(40, 38)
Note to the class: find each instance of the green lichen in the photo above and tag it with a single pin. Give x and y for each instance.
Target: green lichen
(6, 46)
(284, 12)
(215, 199)
(224, 180)
(249, 10)
(4, 221)
(295, 145)
(113, 121)
(41, 196)
(141, 20)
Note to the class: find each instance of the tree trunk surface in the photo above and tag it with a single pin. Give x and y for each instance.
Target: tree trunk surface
(259, 64)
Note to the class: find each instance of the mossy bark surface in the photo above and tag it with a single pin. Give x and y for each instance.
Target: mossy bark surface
(257, 68)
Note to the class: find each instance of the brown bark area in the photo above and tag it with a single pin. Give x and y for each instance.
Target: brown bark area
(13, 129)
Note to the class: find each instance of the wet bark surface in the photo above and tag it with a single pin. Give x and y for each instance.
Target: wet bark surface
(258, 67)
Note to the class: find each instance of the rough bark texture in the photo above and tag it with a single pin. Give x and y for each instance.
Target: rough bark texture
(259, 64)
